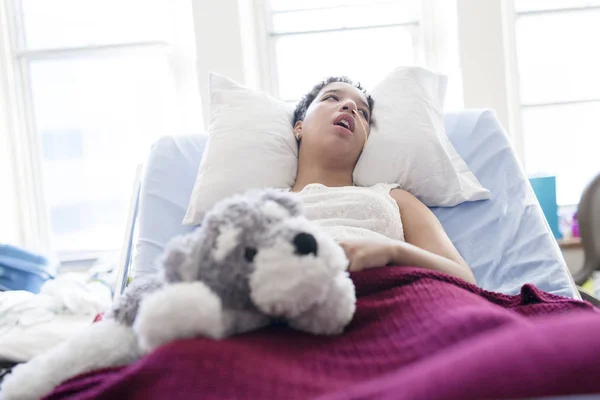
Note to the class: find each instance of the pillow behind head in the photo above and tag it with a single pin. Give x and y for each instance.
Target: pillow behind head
(408, 143)
(251, 144)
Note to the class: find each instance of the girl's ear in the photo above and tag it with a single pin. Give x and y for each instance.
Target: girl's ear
(298, 130)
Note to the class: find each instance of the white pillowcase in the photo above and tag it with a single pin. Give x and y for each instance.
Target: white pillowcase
(251, 144)
(408, 143)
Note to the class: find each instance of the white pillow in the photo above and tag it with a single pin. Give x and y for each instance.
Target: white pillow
(408, 143)
(251, 144)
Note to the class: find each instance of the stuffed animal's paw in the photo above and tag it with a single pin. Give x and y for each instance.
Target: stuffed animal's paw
(178, 311)
(330, 316)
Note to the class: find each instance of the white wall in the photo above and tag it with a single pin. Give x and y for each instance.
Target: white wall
(486, 47)
(183, 61)
(481, 46)
(218, 44)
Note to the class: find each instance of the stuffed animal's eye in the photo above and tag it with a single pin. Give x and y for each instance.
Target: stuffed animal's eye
(250, 253)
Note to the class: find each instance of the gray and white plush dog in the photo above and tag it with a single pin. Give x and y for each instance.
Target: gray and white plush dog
(254, 258)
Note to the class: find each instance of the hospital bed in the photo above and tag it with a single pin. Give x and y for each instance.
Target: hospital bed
(505, 240)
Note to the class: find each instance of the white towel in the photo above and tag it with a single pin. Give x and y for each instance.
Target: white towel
(32, 323)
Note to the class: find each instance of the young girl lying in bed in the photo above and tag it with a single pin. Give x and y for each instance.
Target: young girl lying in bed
(376, 226)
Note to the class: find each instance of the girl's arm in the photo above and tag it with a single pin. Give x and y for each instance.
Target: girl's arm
(427, 244)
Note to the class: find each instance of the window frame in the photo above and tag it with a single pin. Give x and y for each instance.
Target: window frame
(267, 37)
(23, 137)
(565, 10)
(521, 106)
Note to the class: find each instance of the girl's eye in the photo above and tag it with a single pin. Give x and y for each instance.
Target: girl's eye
(331, 96)
(365, 114)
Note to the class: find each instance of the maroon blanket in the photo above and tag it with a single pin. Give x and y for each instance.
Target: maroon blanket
(417, 334)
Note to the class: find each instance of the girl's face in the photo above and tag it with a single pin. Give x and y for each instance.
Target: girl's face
(337, 120)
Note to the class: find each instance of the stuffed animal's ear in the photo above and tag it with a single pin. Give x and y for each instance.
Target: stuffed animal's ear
(288, 201)
(177, 259)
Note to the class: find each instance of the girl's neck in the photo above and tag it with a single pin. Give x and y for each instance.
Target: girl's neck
(325, 176)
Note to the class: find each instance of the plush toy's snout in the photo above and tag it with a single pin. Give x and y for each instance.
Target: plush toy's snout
(305, 244)
(296, 270)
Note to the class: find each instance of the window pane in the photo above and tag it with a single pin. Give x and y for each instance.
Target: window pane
(303, 60)
(344, 17)
(557, 58)
(563, 141)
(537, 5)
(71, 23)
(97, 117)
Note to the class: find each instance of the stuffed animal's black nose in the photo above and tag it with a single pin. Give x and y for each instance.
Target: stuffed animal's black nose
(305, 244)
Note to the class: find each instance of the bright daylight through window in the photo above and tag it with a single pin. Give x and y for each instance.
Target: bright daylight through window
(98, 91)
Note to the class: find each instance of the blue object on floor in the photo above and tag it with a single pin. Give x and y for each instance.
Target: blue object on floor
(545, 191)
(23, 270)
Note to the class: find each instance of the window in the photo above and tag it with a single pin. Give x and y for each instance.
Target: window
(560, 90)
(362, 39)
(98, 85)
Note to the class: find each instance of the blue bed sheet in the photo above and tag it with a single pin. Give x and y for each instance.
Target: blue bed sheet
(505, 240)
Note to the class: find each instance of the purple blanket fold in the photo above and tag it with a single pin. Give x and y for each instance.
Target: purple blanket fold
(416, 334)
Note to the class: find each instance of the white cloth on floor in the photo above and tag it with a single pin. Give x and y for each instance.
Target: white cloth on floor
(32, 323)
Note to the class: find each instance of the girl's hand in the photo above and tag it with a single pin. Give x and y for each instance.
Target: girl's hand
(369, 253)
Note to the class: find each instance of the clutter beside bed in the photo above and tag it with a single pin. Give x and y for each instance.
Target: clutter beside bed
(33, 323)
(41, 308)
(255, 259)
(565, 225)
